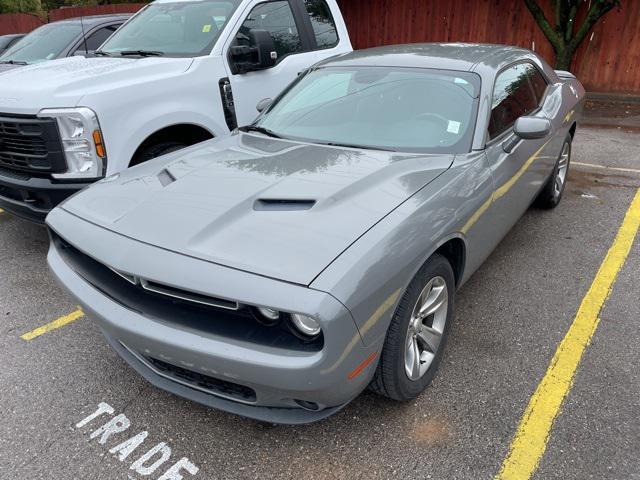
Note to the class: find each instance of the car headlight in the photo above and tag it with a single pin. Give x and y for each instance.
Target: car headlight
(82, 142)
(306, 325)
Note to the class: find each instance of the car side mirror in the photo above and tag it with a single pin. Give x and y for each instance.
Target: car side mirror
(263, 104)
(527, 128)
(260, 54)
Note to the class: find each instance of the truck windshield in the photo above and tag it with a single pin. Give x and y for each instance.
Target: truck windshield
(44, 43)
(175, 29)
(385, 108)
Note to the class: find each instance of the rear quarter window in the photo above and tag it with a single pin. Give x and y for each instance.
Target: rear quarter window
(324, 27)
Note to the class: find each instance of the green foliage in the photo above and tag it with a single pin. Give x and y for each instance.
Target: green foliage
(563, 35)
(21, 6)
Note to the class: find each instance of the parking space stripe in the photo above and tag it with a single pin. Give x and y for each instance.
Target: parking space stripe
(604, 167)
(530, 440)
(60, 322)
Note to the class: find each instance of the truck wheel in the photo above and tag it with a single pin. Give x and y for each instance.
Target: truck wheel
(156, 150)
(418, 333)
(551, 194)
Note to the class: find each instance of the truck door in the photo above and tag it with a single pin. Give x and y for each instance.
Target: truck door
(303, 32)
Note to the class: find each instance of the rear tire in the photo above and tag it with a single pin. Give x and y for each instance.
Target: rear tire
(411, 331)
(551, 194)
(156, 150)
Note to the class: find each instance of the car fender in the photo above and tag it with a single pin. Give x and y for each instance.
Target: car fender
(371, 276)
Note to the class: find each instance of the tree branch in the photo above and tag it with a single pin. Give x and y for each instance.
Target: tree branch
(597, 10)
(554, 39)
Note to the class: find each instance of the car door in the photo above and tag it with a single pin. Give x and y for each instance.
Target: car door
(520, 173)
(300, 30)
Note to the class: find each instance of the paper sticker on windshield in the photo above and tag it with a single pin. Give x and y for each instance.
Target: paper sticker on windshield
(206, 29)
(454, 127)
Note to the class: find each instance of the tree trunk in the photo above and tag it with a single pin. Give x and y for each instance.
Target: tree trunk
(564, 57)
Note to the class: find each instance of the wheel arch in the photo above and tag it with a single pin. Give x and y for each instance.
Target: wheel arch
(188, 133)
(455, 251)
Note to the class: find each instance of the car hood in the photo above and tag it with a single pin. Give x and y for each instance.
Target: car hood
(276, 208)
(63, 82)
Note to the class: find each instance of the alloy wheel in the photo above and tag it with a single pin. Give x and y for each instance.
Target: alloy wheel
(426, 328)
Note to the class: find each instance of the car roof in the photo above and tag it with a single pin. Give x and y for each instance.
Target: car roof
(95, 19)
(12, 35)
(446, 56)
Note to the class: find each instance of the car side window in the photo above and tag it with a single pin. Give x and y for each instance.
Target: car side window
(538, 83)
(324, 28)
(276, 18)
(96, 39)
(513, 97)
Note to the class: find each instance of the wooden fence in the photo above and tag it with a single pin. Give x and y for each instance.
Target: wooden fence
(18, 23)
(608, 60)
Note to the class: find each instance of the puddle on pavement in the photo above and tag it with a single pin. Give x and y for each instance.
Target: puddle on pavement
(582, 182)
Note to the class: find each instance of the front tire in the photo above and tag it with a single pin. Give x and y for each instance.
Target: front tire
(418, 333)
(156, 150)
(551, 193)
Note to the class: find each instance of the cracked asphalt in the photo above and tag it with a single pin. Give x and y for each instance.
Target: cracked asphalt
(510, 318)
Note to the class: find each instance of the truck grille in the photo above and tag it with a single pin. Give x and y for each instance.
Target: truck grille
(31, 144)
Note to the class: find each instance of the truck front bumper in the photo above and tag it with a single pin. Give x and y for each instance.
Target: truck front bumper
(32, 198)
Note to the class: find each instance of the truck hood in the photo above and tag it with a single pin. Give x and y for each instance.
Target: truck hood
(276, 208)
(63, 83)
(5, 67)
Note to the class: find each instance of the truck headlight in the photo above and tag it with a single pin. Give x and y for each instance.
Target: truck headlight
(82, 142)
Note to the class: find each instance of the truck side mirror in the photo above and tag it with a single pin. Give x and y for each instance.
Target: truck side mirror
(263, 104)
(259, 55)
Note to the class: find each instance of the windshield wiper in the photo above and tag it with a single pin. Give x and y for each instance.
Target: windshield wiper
(13, 62)
(355, 145)
(255, 128)
(142, 53)
(100, 53)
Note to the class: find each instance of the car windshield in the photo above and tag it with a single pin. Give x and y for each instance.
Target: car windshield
(177, 29)
(44, 43)
(401, 109)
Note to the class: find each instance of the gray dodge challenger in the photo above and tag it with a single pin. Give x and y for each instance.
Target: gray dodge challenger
(278, 271)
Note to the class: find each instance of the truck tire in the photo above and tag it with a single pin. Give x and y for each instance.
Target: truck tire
(156, 150)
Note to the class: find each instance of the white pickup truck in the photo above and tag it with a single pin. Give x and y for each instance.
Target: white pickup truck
(177, 73)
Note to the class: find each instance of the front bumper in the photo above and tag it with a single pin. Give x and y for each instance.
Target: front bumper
(32, 198)
(280, 378)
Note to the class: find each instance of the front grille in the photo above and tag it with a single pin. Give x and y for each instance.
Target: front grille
(240, 324)
(204, 382)
(31, 144)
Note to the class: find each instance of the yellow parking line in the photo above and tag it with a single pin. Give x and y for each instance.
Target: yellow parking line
(1, 210)
(530, 440)
(60, 322)
(604, 167)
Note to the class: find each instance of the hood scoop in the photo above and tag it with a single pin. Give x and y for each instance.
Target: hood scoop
(282, 204)
(165, 177)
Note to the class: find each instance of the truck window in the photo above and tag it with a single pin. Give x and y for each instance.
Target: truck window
(322, 22)
(276, 18)
(96, 39)
(175, 29)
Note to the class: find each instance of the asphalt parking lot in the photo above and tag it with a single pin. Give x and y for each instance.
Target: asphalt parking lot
(511, 317)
